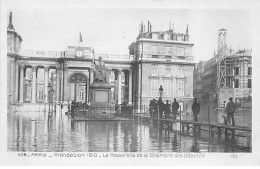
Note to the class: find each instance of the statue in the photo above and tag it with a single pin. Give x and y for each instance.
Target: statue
(101, 72)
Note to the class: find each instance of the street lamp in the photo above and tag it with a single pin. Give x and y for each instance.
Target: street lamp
(161, 91)
(49, 94)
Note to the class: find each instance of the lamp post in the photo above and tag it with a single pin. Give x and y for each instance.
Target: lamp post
(49, 94)
(161, 91)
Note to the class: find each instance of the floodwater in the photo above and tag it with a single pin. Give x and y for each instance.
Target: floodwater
(40, 132)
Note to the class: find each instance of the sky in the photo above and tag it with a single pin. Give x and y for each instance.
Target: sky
(112, 30)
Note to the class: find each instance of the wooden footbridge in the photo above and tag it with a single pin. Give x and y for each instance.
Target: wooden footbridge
(187, 125)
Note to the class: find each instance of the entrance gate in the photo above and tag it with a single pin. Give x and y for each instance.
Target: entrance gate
(78, 88)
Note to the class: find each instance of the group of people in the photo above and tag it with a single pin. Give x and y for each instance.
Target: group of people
(156, 107)
(159, 108)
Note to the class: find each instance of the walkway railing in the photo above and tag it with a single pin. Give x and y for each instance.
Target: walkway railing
(92, 113)
(242, 115)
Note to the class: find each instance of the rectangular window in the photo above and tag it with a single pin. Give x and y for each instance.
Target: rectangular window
(174, 50)
(249, 71)
(168, 70)
(168, 57)
(180, 71)
(155, 50)
(181, 51)
(155, 70)
(236, 71)
(236, 83)
(167, 50)
(181, 57)
(41, 95)
(154, 87)
(181, 88)
(155, 56)
(167, 88)
(249, 84)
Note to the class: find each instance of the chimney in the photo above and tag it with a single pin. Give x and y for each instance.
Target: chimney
(10, 25)
(186, 36)
(187, 30)
(141, 26)
(148, 26)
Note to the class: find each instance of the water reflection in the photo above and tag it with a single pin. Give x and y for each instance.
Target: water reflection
(39, 131)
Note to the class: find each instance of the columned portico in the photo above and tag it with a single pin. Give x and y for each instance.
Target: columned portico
(12, 87)
(34, 84)
(130, 87)
(58, 84)
(16, 83)
(119, 86)
(21, 83)
(46, 80)
(66, 86)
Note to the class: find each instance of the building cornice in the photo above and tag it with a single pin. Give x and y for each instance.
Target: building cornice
(167, 63)
(39, 59)
(165, 41)
(72, 59)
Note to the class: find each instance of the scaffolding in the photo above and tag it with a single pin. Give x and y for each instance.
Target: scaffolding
(221, 62)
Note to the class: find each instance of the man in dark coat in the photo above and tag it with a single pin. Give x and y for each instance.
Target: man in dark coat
(175, 108)
(195, 109)
(161, 106)
(230, 109)
(167, 109)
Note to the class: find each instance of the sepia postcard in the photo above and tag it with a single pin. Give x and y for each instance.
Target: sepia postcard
(112, 82)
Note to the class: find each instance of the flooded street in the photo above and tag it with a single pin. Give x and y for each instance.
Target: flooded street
(39, 132)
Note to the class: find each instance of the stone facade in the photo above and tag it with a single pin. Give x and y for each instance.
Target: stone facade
(162, 59)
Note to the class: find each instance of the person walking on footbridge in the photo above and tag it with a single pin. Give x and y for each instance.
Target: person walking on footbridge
(230, 109)
(195, 109)
(175, 108)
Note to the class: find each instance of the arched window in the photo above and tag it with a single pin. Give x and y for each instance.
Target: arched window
(78, 78)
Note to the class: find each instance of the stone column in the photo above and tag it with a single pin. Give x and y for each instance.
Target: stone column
(130, 87)
(21, 83)
(34, 84)
(12, 81)
(119, 87)
(16, 83)
(66, 85)
(139, 85)
(91, 75)
(46, 81)
(58, 84)
(61, 86)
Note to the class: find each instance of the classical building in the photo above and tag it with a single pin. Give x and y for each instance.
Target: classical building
(156, 59)
(164, 59)
(70, 73)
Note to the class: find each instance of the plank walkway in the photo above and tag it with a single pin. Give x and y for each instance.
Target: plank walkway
(202, 123)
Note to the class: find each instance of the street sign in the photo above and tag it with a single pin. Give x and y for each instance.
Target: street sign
(242, 92)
